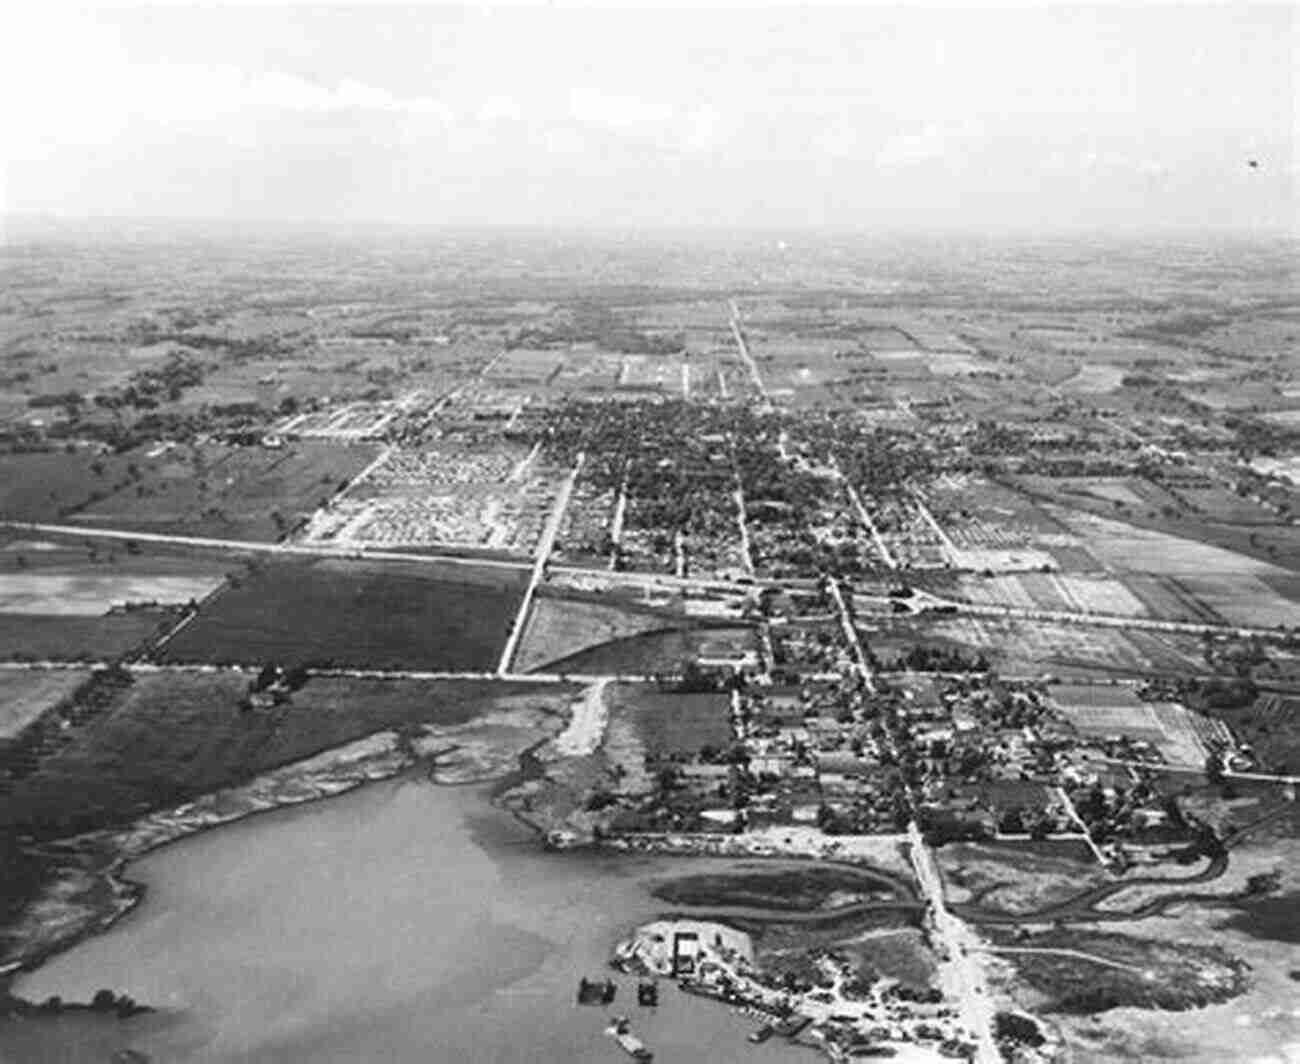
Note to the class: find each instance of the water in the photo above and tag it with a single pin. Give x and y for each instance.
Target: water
(400, 922)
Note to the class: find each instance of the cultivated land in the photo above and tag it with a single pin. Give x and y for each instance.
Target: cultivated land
(946, 628)
(360, 615)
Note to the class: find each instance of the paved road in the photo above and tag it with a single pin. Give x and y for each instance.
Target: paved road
(544, 548)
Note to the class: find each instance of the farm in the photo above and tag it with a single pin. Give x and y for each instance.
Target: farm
(358, 615)
(253, 493)
(26, 694)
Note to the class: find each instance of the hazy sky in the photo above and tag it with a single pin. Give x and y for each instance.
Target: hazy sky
(1121, 116)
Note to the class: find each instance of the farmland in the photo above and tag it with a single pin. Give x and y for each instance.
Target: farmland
(356, 614)
(25, 695)
(28, 637)
(251, 493)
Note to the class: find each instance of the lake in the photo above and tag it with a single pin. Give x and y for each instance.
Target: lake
(400, 922)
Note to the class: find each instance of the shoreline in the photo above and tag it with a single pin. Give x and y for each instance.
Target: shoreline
(92, 892)
(75, 897)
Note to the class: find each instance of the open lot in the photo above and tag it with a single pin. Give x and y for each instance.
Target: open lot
(669, 723)
(357, 614)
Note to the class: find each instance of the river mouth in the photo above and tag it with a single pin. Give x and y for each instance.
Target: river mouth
(400, 921)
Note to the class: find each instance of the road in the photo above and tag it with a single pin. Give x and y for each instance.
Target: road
(927, 600)
(315, 550)
(544, 548)
(851, 635)
(960, 973)
(866, 519)
(743, 346)
(935, 527)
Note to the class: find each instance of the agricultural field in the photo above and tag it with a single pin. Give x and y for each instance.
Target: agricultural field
(1053, 592)
(27, 693)
(33, 637)
(1271, 725)
(1031, 648)
(47, 487)
(59, 575)
(252, 493)
(1179, 734)
(1241, 589)
(357, 614)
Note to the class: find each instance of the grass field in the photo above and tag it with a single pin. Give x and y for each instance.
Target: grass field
(653, 652)
(1128, 971)
(559, 628)
(49, 487)
(172, 736)
(357, 614)
(796, 890)
(26, 694)
(670, 723)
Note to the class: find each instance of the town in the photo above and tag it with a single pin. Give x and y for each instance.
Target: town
(956, 640)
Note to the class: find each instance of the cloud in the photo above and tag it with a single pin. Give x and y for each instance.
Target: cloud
(932, 141)
(619, 112)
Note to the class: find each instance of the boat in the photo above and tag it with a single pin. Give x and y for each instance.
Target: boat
(762, 1034)
(621, 1031)
(596, 991)
(704, 990)
(647, 993)
(872, 1049)
(792, 1026)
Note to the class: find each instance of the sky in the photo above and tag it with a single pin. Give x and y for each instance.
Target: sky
(1035, 117)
